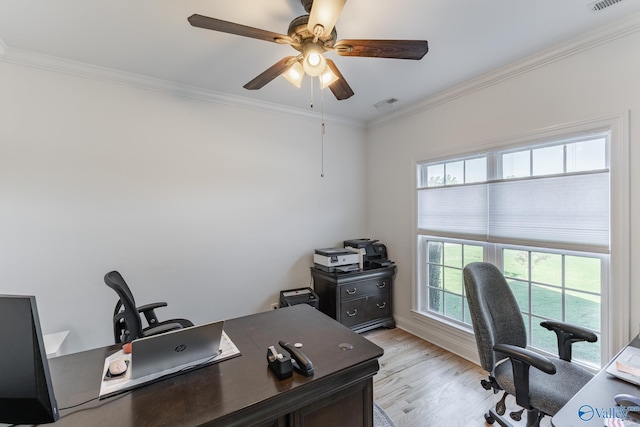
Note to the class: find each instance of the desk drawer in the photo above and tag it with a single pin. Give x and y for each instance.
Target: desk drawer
(364, 309)
(368, 287)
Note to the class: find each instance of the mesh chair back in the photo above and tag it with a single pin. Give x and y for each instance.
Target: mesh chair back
(132, 322)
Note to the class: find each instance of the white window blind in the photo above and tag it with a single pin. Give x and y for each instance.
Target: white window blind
(567, 210)
(562, 211)
(459, 211)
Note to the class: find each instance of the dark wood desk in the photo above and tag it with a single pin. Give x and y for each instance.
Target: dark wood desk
(241, 391)
(595, 398)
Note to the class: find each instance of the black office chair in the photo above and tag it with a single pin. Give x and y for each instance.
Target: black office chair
(500, 335)
(127, 324)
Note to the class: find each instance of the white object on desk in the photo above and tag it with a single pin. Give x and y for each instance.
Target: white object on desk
(113, 385)
(53, 342)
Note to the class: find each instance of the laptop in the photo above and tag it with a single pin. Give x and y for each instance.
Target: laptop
(182, 348)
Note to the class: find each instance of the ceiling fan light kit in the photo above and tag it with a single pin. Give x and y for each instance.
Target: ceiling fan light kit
(294, 74)
(327, 77)
(313, 35)
(314, 62)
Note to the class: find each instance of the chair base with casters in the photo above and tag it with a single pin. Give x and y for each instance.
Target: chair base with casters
(501, 407)
(501, 340)
(549, 396)
(127, 323)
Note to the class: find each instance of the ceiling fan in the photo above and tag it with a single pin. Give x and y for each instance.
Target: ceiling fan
(313, 35)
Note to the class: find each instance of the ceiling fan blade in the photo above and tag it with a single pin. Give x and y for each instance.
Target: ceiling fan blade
(323, 16)
(396, 49)
(271, 73)
(238, 29)
(340, 88)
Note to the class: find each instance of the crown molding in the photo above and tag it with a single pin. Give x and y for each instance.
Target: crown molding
(81, 69)
(602, 35)
(586, 41)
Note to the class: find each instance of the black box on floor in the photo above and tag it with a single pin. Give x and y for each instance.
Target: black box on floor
(291, 297)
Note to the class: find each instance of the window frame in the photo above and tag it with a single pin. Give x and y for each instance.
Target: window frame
(422, 273)
(615, 323)
(604, 274)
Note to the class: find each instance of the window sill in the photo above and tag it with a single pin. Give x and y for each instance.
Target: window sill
(454, 338)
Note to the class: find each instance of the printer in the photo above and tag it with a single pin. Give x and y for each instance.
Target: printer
(338, 260)
(372, 254)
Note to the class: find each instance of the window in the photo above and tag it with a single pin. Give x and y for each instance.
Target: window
(445, 287)
(557, 286)
(541, 212)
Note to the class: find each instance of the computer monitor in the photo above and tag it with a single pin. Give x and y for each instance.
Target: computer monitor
(26, 392)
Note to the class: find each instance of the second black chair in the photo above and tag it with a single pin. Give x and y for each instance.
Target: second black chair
(501, 336)
(127, 323)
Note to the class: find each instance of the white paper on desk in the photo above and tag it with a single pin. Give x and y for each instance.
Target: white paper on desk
(113, 385)
(626, 365)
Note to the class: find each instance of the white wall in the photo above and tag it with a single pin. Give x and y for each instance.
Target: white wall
(576, 86)
(214, 208)
(210, 207)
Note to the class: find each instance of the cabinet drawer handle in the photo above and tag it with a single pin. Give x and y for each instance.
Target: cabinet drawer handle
(355, 311)
(352, 292)
(383, 305)
(382, 285)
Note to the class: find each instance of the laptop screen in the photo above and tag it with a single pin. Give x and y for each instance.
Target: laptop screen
(192, 345)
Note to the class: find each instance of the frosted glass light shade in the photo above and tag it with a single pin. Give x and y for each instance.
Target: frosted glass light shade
(314, 61)
(327, 77)
(294, 74)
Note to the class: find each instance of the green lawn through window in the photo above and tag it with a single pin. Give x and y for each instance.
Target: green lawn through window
(546, 285)
(538, 280)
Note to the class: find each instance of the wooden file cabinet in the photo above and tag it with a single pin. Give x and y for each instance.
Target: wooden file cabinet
(361, 300)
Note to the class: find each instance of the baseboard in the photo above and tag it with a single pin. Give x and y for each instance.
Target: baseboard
(451, 338)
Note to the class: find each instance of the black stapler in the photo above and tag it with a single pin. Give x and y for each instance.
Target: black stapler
(301, 362)
(279, 364)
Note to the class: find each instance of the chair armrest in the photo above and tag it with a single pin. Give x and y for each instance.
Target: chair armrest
(151, 306)
(521, 360)
(567, 334)
(161, 329)
(527, 357)
(149, 313)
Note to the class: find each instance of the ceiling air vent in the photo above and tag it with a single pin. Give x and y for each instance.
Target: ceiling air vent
(598, 6)
(386, 104)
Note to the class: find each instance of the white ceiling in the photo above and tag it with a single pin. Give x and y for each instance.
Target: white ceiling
(467, 38)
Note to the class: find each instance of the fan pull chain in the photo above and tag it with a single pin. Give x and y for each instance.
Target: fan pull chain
(311, 102)
(322, 134)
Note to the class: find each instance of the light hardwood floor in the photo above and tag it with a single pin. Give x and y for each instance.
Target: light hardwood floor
(420, 384)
